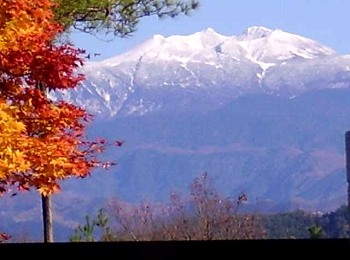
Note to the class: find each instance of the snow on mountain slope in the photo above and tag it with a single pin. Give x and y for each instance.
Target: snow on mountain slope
(207, 68)
(173, 48)
(257, 43)
(263, 44)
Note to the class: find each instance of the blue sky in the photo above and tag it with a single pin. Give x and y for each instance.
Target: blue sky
(326, 21)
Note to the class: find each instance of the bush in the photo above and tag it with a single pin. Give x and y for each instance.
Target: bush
(205, 215)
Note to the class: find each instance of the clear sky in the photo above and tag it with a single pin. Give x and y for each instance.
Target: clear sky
(326, 21)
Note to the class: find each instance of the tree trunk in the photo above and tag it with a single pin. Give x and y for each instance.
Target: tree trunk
(47, 218)
(46, 200)
(347, 153)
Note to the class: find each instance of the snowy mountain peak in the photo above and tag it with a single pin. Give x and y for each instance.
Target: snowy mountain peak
(207, 38)
(267, 45)
(175, 47)
(158, 37)
(209, 32)
(254, 32)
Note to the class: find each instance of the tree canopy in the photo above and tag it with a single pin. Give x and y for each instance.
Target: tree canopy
(117, 17)
(42, 141)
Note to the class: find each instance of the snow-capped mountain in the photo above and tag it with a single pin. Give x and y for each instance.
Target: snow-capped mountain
(263, 113)
(216, 67)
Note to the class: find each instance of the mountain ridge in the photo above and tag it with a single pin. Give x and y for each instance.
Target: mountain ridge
(213, 65)
(210, 39)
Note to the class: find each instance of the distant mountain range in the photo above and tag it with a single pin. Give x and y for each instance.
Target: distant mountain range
(263, 112)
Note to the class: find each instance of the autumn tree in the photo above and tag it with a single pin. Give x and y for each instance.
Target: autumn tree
(47, 142)
(53, 131)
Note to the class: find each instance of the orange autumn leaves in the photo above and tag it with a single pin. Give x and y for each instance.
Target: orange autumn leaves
(23, 21)
(11, 139)
(27, 52)
(41, 141)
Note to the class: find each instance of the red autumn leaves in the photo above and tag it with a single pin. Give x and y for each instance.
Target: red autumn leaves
(41, 141)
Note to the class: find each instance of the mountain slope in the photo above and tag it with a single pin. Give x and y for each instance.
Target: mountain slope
(288, 152)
